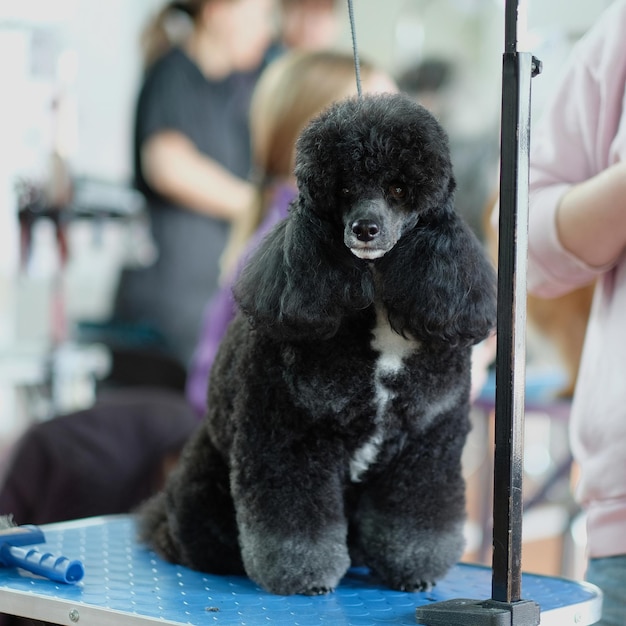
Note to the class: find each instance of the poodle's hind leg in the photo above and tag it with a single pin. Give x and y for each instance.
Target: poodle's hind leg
(154, 529)
(192, 521)
(410, 520)
(290, 514)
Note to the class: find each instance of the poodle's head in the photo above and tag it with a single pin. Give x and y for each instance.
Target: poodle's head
(374, 221)
(374, 165)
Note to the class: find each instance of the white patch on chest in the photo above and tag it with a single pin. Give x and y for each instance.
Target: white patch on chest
(392, 349)
(391, 346)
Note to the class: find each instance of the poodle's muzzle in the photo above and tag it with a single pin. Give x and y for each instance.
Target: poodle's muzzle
(372, 227)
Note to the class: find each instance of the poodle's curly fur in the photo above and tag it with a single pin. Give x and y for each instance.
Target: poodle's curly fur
(339, 400)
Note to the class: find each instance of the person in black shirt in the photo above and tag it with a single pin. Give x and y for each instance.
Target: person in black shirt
(192, 159)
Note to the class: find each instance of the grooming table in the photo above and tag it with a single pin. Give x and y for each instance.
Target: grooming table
(127, 583)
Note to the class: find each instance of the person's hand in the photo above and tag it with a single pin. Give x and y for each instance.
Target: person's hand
(173, 167)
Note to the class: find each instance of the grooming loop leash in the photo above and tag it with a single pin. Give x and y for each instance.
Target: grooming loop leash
(355, 52)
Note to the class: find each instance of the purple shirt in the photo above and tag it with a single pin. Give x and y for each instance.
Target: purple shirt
(221, 309)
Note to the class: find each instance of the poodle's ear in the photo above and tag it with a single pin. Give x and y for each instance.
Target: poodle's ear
(300, 282)
(438, 282)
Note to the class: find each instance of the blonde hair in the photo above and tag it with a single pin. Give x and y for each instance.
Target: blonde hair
(291, 91)
(165, 28)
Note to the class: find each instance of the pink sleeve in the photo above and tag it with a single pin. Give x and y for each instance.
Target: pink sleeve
(572, 143)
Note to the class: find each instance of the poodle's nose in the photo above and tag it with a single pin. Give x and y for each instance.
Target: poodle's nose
(365, 230)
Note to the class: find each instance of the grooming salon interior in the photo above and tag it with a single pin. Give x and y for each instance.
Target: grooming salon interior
(72, 222)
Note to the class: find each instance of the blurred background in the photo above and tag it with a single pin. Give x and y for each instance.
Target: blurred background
(69, 75)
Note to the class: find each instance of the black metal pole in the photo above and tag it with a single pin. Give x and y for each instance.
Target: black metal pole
(506, 606)
(510, 26)
(517, 72)
(511, 352)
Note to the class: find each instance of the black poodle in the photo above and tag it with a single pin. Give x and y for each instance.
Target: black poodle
(339, 400)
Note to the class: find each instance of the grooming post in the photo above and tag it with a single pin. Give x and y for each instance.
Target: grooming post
(506, 608)
(518, 68)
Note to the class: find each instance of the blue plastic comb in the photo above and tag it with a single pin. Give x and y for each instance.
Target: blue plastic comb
(16, 550)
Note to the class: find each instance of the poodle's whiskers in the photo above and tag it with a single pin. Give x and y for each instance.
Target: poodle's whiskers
(392, 349)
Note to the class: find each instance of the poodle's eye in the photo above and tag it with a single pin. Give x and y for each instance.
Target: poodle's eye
(397, 191)
(345, 192)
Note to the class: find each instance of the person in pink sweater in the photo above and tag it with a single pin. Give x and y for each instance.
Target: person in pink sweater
(577, 234)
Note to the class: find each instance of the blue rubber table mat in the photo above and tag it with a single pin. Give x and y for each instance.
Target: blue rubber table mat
(127, 583)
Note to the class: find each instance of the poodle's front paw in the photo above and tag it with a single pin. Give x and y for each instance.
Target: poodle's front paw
(415, 561)
(317, 591)
(295, 565)
(308, 575)
(414, 585)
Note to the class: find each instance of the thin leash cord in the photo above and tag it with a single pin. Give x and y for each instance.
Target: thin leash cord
(355, 52)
